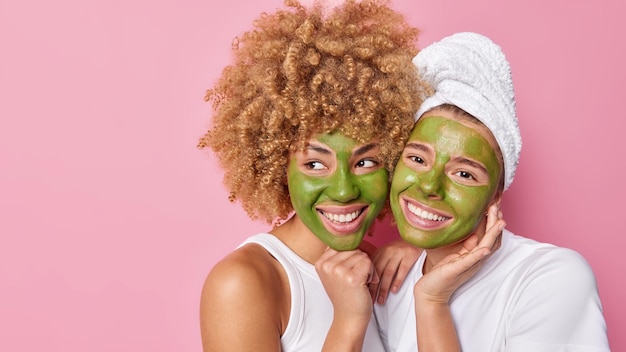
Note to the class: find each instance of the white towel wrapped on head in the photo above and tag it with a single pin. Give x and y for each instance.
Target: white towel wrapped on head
(470, 71)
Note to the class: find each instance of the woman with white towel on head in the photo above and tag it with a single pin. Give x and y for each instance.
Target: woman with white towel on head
(476, 286)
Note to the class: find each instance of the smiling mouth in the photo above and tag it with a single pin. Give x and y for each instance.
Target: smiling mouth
(422, 217)
(425, 215)
(342, 218)
(342, 221)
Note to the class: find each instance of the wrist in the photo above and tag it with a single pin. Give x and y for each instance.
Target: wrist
(345, 334)
(425, 299)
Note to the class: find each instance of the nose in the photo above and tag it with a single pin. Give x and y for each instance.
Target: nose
(430, 183)
(342, 187)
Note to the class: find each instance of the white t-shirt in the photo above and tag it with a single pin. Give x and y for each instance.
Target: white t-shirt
(311, 310)
(527, 297)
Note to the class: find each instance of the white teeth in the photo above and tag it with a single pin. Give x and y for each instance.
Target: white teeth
(424, 214)
(342, 218)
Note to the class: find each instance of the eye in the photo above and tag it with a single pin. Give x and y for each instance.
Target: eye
(367, 163)
(416, 159)
(314, 165)
(465, 174)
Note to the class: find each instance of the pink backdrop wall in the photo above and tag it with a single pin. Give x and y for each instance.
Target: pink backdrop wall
(110, 218)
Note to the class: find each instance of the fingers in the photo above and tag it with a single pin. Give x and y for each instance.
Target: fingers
(495, 225)
(469, 243)
(352, 267)
(401, 274)
(374, 287)
(373, 284)
(455, 269)
(498, 243)
(327, 255)
(393, 261)
(387, 274)
(492, 213)
(344, 276)
(373, 278)
(465, 266)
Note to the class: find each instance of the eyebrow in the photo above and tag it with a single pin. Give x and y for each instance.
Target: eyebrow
(359, 151)
(473, 164)
(364, 149)
(417, 146)
(319, 149)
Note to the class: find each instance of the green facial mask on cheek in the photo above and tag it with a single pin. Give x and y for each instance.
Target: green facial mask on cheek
(343, 187)
(464, 204)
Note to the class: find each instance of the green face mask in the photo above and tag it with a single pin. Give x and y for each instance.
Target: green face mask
(444, 182)
(337, 188)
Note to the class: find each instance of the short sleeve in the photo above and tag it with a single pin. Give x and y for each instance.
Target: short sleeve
(558, 307)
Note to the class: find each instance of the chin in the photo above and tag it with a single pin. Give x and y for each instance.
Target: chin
(419, 240)
(345, 244)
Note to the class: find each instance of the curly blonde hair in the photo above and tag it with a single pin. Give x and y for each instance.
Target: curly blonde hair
(301, 72)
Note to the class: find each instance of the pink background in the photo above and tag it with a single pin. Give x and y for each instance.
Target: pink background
(110, 218)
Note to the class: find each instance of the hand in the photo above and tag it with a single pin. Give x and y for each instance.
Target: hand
(392, 261)
(345, 276)
(438, 285)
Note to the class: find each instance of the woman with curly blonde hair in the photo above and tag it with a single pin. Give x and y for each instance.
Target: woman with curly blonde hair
(308, 123)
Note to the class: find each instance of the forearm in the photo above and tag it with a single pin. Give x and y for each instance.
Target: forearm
(345, 336)
(434, 327)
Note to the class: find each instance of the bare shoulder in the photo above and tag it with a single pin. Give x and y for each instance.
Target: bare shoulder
(245, 294)
(244, 272)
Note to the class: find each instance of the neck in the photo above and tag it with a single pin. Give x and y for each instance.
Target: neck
(436, 255)
(295, 235)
